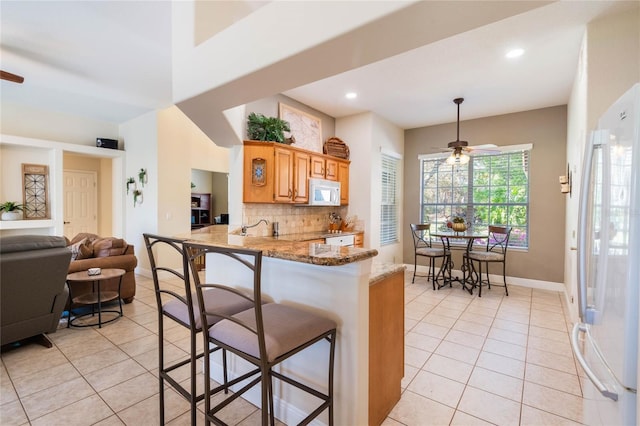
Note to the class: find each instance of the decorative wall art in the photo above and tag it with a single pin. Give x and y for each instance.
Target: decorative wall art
(305, 128)
(132, 186)
(258, 172)
(35, 193)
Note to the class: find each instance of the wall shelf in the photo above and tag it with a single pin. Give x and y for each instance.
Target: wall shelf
(26, 224)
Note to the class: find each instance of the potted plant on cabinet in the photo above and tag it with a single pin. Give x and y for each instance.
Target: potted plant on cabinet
(11, 210)
(261, 128)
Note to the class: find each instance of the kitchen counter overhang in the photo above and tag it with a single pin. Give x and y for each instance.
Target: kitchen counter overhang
(293, 247)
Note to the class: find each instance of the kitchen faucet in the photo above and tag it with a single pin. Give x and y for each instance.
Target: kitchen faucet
(244, 228)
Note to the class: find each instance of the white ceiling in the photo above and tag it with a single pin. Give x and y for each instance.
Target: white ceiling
(111, 61)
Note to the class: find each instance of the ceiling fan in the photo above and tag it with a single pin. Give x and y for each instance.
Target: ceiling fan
(4, 75)
(459, 147)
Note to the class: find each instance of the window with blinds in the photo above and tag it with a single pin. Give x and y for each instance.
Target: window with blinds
(389, 202)
(489, 190)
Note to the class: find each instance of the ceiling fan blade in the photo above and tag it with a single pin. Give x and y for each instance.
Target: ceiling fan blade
(485, 146)
(4, 75)
(482, 149)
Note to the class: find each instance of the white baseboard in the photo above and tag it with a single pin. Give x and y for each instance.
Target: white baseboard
(522, 282)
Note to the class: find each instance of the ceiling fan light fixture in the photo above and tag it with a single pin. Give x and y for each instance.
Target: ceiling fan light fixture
(457, 159)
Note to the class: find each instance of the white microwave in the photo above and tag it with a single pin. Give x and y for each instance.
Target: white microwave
(324, 192)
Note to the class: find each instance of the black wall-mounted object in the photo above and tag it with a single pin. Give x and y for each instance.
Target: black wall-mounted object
(107, 143)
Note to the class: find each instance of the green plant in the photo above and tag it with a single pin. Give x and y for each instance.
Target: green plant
(142, 176)
(137, 197)
(458, 219)
(263, 128)
(130, 181)
(11, 206)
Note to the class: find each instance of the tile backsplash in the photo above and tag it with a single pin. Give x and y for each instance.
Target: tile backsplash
(291, 219)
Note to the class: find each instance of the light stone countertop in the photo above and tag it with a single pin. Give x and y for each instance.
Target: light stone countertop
(380, 271)
(291, 247)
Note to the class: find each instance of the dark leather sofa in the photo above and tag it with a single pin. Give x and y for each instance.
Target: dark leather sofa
(33, 293)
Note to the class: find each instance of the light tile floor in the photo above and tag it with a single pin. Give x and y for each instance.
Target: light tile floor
(468, 360)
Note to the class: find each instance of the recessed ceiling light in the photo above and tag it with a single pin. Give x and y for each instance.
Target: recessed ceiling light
(514, 53)
(351, 95)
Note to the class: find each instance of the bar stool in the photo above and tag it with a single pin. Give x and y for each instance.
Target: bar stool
(265, 335)
(182, 307)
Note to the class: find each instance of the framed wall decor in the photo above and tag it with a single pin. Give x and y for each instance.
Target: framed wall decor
(306, 128)
(35, 191)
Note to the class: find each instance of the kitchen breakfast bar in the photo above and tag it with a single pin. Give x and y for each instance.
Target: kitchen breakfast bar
(366, 300)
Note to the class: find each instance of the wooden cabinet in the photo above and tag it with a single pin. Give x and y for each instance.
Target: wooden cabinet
(300, 177)
(343, 178)
(323, 167)
(386, 345)
(291, 176)
(258, 173)
(358, 240)
(276, 173)
(200, 210)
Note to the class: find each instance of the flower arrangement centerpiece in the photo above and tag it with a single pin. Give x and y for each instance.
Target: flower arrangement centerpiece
(458, 224)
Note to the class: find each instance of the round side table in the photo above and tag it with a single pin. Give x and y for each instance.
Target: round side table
(96, 297)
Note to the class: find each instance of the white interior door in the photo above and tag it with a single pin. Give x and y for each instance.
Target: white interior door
(80, 203)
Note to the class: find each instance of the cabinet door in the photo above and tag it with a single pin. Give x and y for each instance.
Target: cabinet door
(317, 167)
(258, 175)
(283, 181)
(343, 178)
(331, 169)
(301, 177)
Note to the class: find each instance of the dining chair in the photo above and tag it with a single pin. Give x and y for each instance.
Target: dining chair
(177, 301)
(265, 335)
(494, 252)
(423, 246)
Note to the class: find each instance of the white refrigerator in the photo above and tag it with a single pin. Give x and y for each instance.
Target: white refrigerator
(605, 341)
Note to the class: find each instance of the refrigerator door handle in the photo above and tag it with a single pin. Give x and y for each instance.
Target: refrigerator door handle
(577, 328)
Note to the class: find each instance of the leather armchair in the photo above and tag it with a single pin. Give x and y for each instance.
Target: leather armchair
(33, 293)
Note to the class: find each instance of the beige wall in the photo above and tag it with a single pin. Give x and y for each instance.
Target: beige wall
(546, 130)
(613, 64)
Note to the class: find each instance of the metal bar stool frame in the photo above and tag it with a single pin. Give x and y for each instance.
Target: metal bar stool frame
(253, 323)
(423, 246)
(495, 252)
(180, 308)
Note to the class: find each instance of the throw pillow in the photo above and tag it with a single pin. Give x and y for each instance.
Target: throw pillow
(84, 235)
(82, 249)
(104, 247)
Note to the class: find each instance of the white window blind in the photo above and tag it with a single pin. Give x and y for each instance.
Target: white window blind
(389, 202)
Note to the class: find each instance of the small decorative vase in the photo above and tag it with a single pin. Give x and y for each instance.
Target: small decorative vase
(459, 227)
(14, 215)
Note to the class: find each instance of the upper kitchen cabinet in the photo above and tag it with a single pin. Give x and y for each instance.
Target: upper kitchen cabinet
(343, 178)
(323, 167)
(277, 173)
(291, 177)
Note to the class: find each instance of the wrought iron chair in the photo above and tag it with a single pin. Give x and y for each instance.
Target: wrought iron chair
(422, 246)
(179, 303)
(495, 252)
(265, 335)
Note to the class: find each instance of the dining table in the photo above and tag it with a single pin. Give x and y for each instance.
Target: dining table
(469, 236)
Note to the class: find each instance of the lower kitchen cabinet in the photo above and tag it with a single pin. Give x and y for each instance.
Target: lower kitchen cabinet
(386, 345)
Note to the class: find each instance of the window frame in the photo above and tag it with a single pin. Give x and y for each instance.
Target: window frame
(470, 205)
